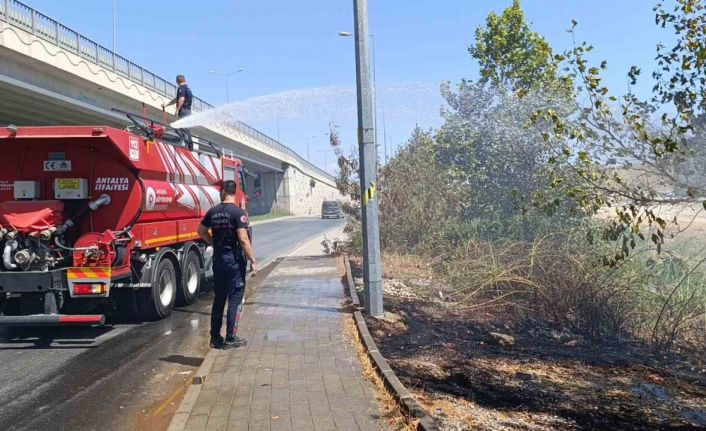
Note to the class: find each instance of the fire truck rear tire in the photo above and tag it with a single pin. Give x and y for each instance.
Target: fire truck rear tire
(157, 302)
(191, 280)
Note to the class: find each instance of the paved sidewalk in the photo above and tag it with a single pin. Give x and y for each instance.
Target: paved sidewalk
(298, 372)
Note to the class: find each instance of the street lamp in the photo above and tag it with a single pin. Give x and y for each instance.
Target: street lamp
(375, 88)
(367, 149)
(227, 76)
(326, 152)
(114, 26)
(308, 138)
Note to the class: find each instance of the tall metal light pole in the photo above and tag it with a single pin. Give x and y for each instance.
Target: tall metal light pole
(326, 152)
(227, 76)
(114, 1)
(308, 138)
(375, 85)
(372, 262)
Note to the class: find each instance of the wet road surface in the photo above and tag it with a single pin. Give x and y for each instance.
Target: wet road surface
(121, 376)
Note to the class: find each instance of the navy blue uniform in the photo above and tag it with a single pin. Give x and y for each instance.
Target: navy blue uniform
(185, 92)
(229, 265)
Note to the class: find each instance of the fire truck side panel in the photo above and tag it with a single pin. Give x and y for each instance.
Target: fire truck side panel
(114, 201)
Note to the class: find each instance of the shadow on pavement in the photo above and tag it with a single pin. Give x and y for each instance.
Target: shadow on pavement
(190, 361)
(23, 338)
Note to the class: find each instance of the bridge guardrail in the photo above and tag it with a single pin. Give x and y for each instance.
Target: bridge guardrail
(24, 17)
(20, 15)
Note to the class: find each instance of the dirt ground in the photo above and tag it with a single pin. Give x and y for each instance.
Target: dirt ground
(539, 379)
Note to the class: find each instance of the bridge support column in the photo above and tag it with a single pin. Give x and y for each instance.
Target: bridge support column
(283, 191)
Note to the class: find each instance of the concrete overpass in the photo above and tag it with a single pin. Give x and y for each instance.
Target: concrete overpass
(50, 74)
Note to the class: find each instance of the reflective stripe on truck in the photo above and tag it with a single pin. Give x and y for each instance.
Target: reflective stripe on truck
(89, 281)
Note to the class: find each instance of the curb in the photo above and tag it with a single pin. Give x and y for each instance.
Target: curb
(181, 416)
(405, 398)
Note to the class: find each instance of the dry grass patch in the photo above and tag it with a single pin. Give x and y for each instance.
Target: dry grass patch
(391, 411)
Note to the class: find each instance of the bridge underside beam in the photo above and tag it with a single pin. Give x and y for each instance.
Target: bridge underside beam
(25, 104)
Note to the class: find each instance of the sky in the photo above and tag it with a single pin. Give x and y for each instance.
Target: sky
(300, 75)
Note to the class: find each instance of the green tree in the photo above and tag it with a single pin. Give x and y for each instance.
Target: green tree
(625, 152)
(511, 55)
(417, 201)
(484, 145)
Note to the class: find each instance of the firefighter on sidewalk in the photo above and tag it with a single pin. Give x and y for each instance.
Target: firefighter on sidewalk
(229, 237)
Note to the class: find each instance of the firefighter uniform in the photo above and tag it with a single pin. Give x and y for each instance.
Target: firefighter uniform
(229, 265)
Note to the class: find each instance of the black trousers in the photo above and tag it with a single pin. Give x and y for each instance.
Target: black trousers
(229, 286)
(185, 113)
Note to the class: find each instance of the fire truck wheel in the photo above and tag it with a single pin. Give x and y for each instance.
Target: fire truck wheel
(190, 285)
(162, 295)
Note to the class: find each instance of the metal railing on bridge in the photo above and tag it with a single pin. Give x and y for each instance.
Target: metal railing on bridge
(24, 17)
(20, 15)
(273, 143)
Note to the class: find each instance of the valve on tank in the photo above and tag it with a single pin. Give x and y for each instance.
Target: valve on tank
(28, 251)
(25, 257)
(95, 249)
(46, 234)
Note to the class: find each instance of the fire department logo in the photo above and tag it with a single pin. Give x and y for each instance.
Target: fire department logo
(150, 199)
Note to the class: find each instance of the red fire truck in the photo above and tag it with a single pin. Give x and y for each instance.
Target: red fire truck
(94, 217)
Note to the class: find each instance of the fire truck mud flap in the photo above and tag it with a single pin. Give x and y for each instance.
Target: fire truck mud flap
(53, 320)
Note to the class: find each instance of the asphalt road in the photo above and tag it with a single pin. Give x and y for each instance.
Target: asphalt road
(121, 376)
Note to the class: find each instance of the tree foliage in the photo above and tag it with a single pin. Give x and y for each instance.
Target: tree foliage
(492, 159)
(511, 55)
(625, 152)
(416, 198)
(347, 180)
(484, 146)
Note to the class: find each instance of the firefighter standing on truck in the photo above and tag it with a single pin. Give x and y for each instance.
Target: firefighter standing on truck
(229, 237)
(183, 99)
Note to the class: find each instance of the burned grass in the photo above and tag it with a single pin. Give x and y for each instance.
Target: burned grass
(550, 378)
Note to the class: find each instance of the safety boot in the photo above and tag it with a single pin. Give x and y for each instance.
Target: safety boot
(217, 342)
(233, 341)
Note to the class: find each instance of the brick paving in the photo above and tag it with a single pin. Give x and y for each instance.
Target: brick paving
(298, 371)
